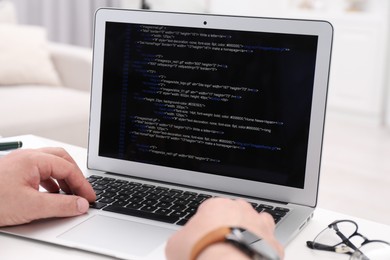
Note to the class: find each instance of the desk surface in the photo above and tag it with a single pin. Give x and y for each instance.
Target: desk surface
(18, 248)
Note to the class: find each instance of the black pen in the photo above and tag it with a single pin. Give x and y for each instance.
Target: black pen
(10, 145)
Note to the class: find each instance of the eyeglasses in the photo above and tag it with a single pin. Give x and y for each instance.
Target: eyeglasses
(342, 237)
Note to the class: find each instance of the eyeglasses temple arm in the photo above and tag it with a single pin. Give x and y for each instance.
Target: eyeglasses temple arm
(318, 246)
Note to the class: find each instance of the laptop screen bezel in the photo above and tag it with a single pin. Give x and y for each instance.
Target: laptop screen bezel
(303, 196)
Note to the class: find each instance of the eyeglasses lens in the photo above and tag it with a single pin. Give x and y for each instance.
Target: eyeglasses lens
(372, 251)
(330, 237)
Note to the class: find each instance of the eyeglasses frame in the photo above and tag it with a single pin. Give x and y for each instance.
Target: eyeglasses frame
(344, 240)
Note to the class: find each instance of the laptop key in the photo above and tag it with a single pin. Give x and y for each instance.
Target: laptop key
(96, 177)
(141, 189)
(97, 192)
(121, 181)
(184, 197)
(97, 205)
(162, 188)
(120, 203)
(102, 182)
(181, 202)
(149, 202)
(168, 194)
(91, 180)
(142, 214)
(167, 199)
(135, 183)
(148, 208)
(191, 193)
(136, 199)
(178, 207)
(182, 222)
(165, 205)
(106, 200)
(176, 191)
(134, 205)
(190, 215)
(193, 204)
(276, 219)
(126, 192)
(109, 194)
(263, 207)
(179, 214)
(199, 199)
(276, 213)
(148, 186)
(115, 186)
(266, 206)
(122, 197)
(282, 209)
(99, 187)
(163, 211)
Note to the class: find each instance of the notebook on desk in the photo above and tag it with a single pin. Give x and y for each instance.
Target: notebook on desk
(189, 106)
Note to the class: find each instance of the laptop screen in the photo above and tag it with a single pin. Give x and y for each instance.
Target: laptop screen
(221, 102)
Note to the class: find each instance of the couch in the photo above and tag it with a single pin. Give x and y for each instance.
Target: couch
(44, 86)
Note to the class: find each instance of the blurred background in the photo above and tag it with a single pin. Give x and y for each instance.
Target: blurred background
(356, 157)
(360, 55)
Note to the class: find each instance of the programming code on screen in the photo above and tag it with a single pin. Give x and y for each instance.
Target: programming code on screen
(222, 102)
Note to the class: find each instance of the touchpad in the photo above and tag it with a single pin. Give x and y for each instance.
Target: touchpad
(118, 235)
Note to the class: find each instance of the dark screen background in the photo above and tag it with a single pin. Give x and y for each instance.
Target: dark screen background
(229, 103)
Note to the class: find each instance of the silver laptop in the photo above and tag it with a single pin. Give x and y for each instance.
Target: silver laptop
(189, 106)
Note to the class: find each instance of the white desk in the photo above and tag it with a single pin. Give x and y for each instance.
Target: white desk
(17, 248)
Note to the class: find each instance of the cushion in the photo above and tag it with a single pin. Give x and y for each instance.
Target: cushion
(7, 12)
(25, 57)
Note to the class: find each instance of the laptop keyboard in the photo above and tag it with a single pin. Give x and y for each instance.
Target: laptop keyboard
(156, 202)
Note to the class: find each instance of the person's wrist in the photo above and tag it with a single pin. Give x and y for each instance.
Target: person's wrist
(222, 250)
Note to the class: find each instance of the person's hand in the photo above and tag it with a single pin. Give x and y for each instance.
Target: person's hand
(215, 213)
(21, 174)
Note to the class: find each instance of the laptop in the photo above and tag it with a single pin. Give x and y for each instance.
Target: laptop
(192, 106)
